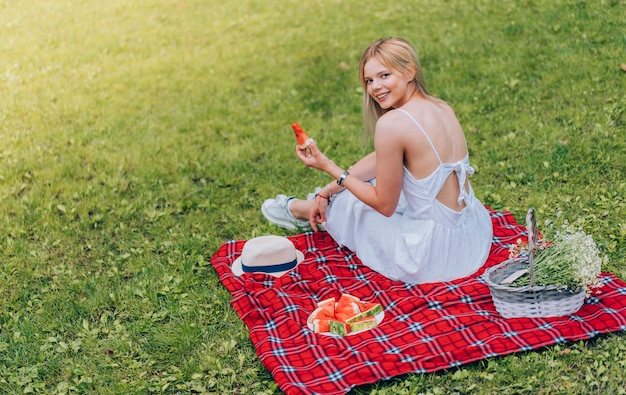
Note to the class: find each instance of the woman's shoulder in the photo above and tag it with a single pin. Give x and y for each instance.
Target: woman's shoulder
(434, 104)
(391, 120)
(390, 116)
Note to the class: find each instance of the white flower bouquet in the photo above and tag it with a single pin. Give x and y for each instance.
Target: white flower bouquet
(570, 261)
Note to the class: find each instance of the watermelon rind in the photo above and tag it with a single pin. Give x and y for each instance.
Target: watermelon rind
(320, 326)
(326, 301)
(328, 305)
(372, 312)
(366, 323)
(338, 328)
(314, 314)
(305, 144)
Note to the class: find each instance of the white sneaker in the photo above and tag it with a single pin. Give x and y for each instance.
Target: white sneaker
(277, 212)
(312, 195)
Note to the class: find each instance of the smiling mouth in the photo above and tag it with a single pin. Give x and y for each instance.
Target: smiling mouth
(382, 96)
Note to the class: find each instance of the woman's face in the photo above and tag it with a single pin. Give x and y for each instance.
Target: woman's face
(389, 88)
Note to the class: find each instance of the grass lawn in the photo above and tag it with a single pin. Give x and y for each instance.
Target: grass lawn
(138, 136)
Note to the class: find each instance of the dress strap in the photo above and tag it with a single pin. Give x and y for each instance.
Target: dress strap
(423, 131)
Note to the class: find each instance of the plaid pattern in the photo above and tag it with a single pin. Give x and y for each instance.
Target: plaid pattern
(426, 328)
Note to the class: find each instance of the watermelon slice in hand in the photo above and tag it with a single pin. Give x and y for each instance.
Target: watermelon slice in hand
(302, 139)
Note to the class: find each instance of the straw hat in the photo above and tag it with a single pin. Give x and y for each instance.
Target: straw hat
(273, 255)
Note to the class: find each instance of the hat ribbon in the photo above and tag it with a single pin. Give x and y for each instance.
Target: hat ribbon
(269, 268)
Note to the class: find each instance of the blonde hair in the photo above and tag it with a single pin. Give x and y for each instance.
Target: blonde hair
(395, 54)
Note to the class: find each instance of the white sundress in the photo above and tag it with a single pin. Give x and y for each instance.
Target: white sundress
(423, 241)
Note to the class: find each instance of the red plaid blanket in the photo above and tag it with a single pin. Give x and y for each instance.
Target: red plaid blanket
(426, 327)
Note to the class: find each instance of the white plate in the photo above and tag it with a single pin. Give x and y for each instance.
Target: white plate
(379, 318)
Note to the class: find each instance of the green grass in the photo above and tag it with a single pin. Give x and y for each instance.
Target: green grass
(137, 137)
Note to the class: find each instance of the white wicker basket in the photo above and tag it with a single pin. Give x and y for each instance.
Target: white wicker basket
(530, 300)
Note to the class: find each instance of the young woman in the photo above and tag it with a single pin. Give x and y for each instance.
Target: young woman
(407, 209)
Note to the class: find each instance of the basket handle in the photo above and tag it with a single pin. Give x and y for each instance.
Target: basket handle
(531, 229)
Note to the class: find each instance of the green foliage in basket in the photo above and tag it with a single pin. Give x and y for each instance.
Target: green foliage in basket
(571, 261)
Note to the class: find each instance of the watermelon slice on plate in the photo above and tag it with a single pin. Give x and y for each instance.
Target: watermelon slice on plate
(320, 325)
(319, 319)
(346, 317)
(328, 305)
(347, 307)
(363, 324)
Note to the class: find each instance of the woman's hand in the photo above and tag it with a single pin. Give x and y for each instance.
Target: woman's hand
(313, 157)
(317, 215)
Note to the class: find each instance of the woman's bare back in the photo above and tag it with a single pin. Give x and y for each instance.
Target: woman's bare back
(444, 131)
